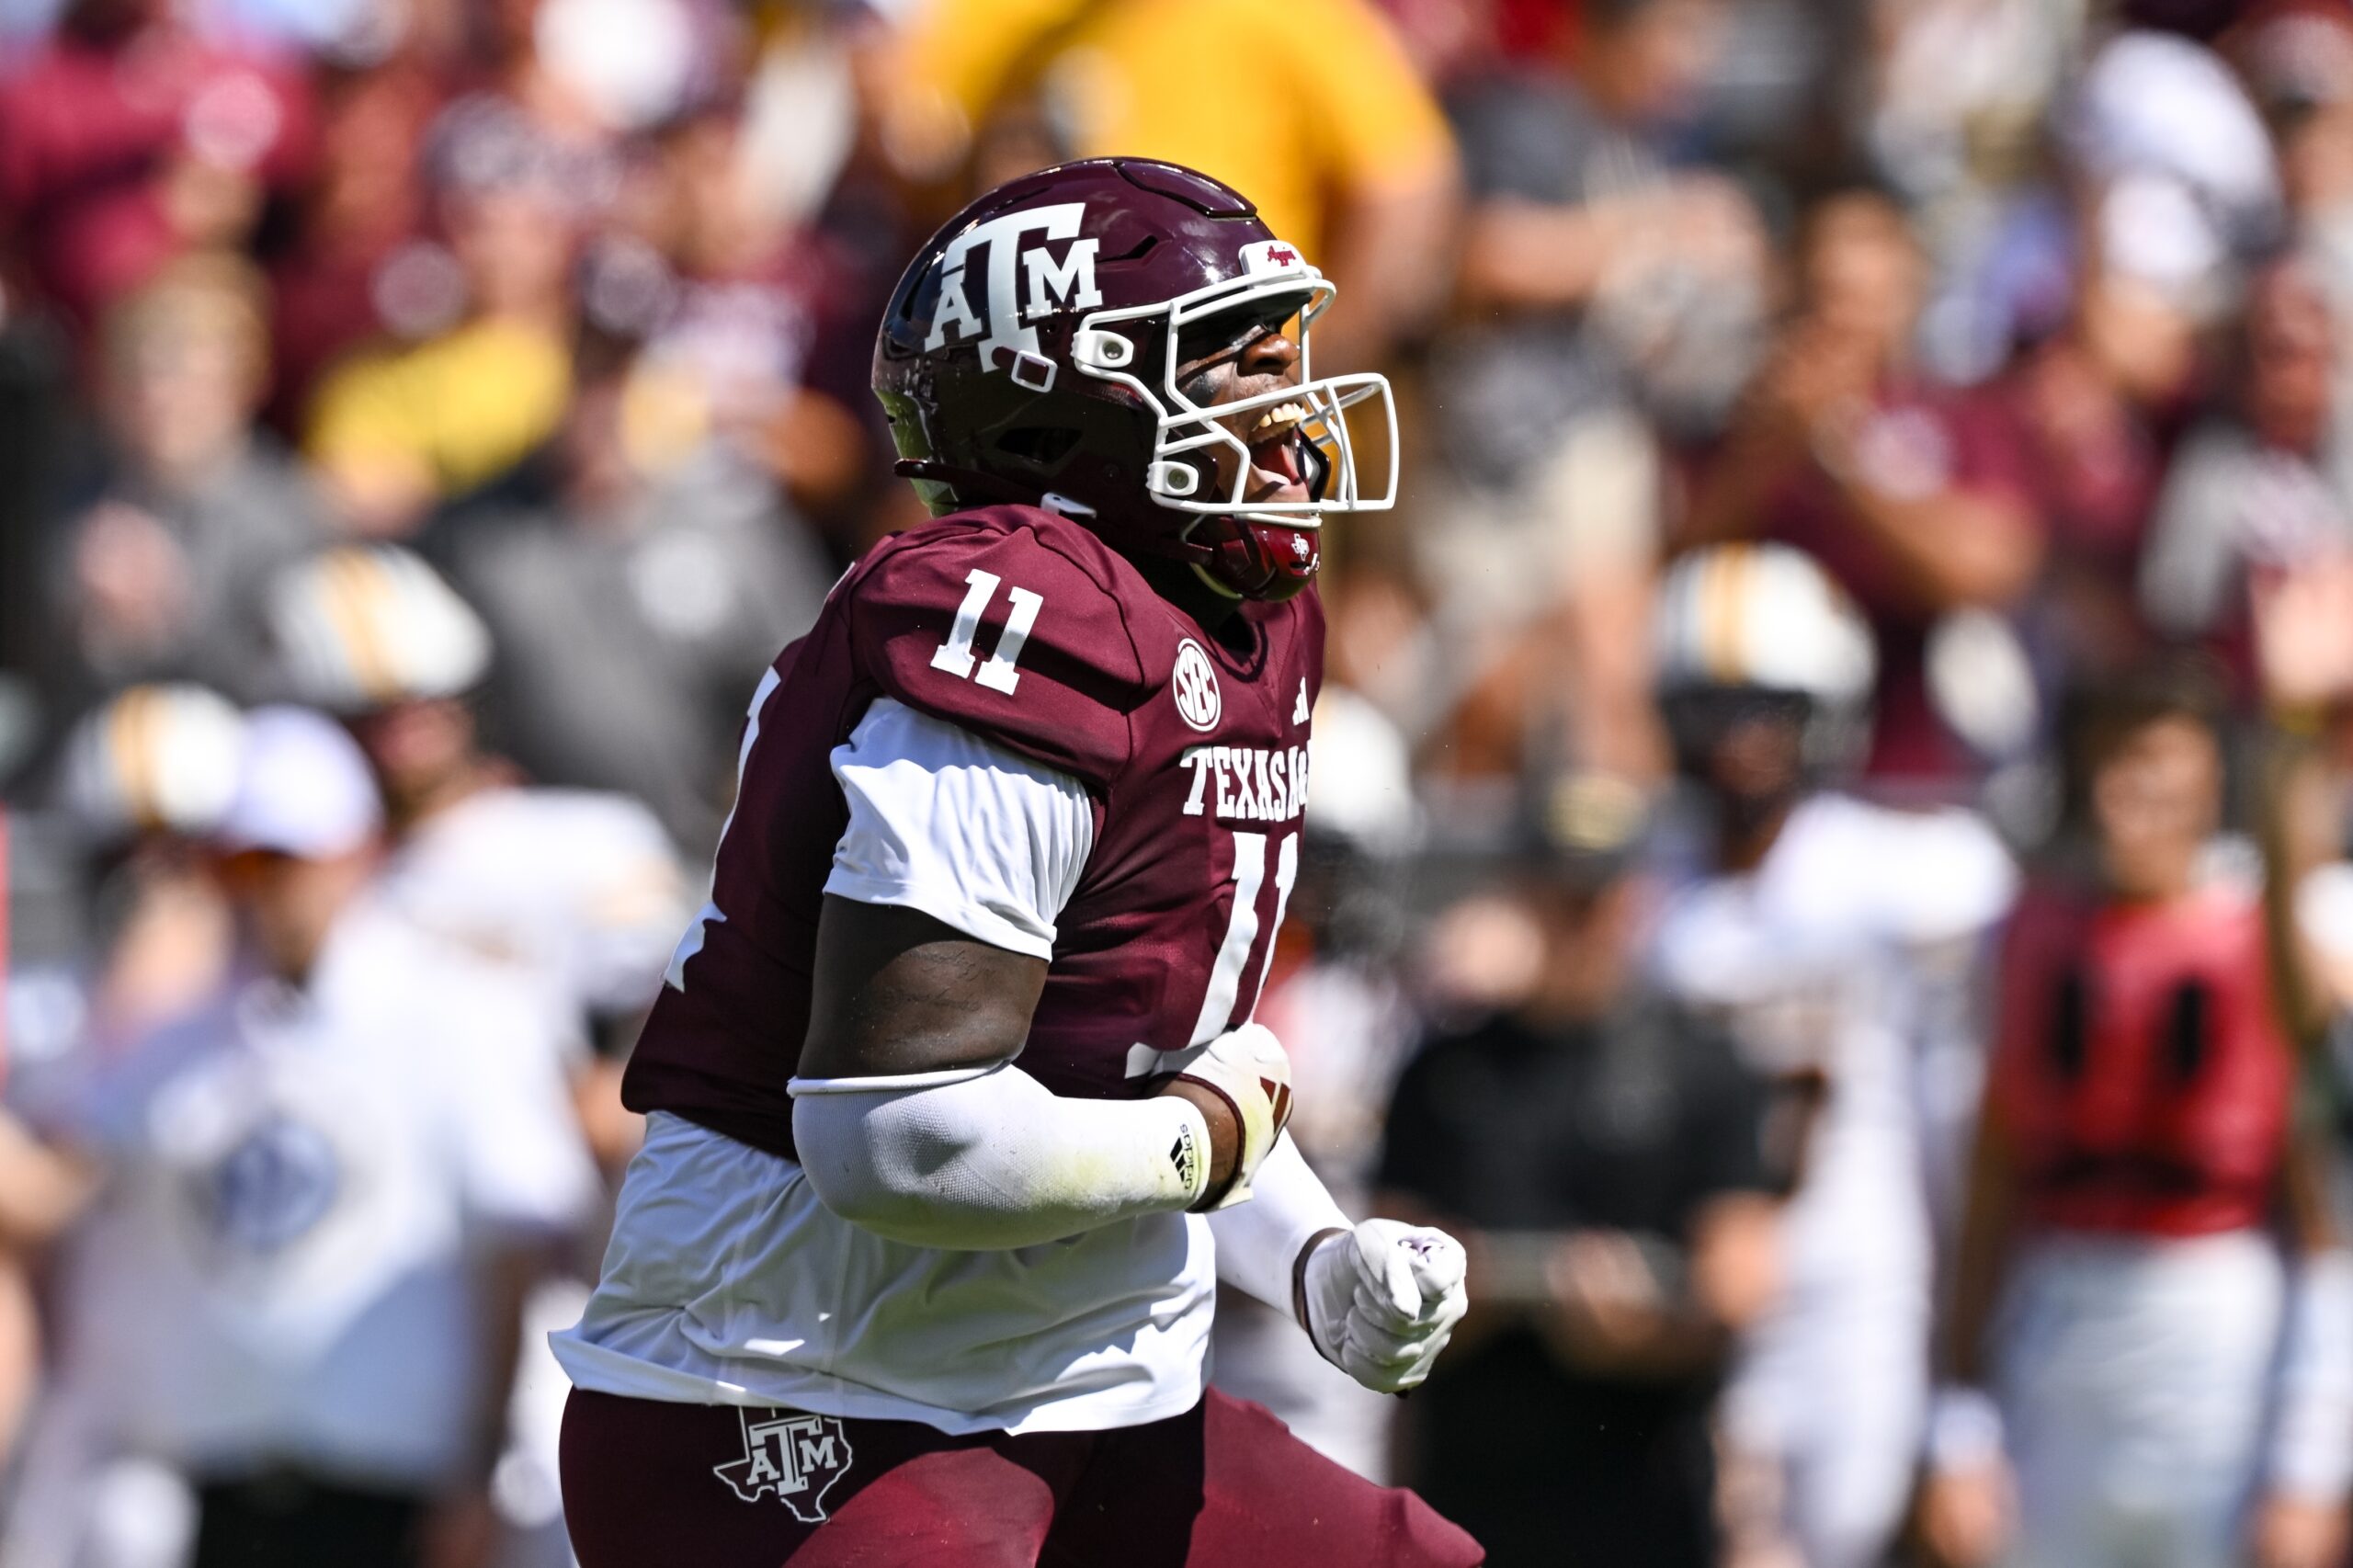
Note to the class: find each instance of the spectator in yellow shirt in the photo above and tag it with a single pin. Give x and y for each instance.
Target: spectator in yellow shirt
(1310, 106)
(486, 372)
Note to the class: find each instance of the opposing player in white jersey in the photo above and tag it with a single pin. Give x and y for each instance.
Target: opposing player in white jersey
(581, 887)
(141, 934)
(580, 890)
(1836, 940)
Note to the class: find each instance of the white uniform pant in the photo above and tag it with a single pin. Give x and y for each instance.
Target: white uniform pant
(2133, 1377)
(1835, 1390)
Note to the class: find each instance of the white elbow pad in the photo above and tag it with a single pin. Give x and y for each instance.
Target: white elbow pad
(987, 1158)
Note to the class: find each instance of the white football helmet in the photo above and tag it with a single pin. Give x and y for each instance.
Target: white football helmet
(1765, 619)
(365, 625)
(155, 759)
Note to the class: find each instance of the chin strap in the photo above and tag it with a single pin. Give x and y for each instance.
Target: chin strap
(970, 483)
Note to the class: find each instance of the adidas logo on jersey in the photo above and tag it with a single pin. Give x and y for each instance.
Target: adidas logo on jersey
(1251, 783)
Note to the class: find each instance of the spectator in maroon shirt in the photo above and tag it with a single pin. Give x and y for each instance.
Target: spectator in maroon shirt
(367, 200)
(754, 317)
(1914, 497)
(2100, 404)
(126, 141)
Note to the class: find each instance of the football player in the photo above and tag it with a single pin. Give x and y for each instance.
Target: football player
(955, 1099)
(1839, 941)
(580, 886)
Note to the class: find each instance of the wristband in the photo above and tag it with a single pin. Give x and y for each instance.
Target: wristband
(1964, 1428)
(1299, 1273)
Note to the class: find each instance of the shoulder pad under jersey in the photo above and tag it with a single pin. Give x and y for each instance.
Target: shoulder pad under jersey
(1009, 623)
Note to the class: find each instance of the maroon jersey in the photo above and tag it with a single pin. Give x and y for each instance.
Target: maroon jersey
(1022, 627)
(2142, 1075)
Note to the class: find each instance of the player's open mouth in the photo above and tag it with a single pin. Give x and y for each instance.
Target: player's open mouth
(1279, 459)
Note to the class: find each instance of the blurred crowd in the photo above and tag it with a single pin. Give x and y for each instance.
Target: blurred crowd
(1830, 862)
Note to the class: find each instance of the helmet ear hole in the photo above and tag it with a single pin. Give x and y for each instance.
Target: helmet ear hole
(1040, 447)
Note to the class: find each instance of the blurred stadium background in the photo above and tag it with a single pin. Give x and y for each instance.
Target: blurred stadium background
(488, 376)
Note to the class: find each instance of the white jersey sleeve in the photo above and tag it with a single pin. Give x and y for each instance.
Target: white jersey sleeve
(1954, 877)
(967, 831)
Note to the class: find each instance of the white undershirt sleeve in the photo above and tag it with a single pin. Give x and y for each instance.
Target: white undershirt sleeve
(983, 1159)
(1258, 1242)
(958, 827)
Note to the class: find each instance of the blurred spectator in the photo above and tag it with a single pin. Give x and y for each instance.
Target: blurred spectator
(1596, 280)
(2139, 1374)
(1326, 125)
(636, 580)
(1839, 942)
(352, 226)
(581, 889)
(2163, 104)
(322, 1193)
(478, 370)
(1599, 1153)
(1958, 89)
(159, 573)
(2100, 404)
(2262, 492)
(748, 317)
(1594, 265)
(1914, 498)
(2297, 58)
(806, 108)
(126, 141)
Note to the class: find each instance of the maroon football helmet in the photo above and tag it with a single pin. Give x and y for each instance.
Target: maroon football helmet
(1038, 349)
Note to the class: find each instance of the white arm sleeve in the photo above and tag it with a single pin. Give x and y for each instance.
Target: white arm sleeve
(988, 1159)
(951, 823)
(1258, 1242)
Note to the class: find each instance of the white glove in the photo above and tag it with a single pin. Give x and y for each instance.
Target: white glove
(1382, 1300)
(1248, 1069)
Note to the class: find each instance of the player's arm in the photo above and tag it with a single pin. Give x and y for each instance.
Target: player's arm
(914, 1121)
(1965, 1505)
(2299, 1518)
(910, 1116)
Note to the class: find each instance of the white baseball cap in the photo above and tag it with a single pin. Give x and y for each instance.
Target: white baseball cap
(304, 788)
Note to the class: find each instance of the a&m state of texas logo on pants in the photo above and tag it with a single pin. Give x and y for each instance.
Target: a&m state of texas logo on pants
(796, 1456)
